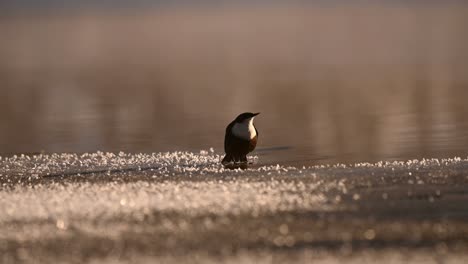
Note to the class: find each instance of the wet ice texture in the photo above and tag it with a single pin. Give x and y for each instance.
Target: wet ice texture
(98, 204)
(215, 194)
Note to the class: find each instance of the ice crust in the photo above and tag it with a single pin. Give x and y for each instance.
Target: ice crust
(165, 163)
(25, 196)
(60, 201)
(72, 207)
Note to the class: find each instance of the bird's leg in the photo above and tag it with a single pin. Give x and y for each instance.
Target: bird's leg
(243, 159)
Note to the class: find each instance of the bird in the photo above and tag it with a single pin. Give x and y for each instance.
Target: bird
(240, 139)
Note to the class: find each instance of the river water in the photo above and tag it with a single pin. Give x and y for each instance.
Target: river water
(340, 83)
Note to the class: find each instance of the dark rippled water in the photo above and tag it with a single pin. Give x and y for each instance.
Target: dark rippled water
(333, 83)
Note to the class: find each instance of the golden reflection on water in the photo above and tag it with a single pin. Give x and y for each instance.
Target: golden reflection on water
(351, 83)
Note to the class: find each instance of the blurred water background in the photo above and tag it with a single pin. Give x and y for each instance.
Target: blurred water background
(342, 80)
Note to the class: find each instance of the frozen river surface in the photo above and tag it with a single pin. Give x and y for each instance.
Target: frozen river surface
(185, 207)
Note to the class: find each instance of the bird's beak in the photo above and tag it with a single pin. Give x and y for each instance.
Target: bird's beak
(256, 114)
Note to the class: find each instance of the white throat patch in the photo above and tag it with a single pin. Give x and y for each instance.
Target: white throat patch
(244, 130)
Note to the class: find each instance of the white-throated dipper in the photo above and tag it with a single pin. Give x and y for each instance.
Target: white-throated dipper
(241, 138)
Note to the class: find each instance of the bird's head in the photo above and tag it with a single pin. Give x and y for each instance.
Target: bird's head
(245, 117)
